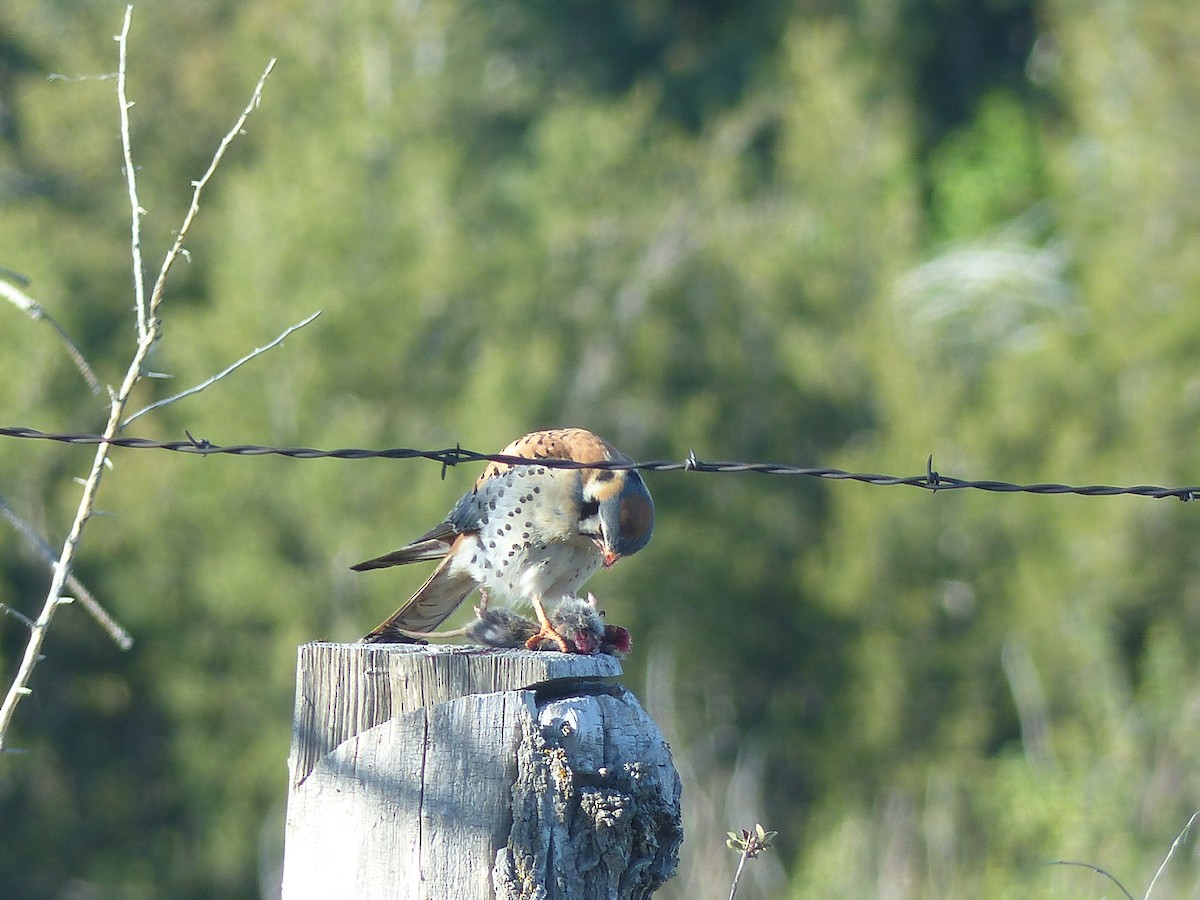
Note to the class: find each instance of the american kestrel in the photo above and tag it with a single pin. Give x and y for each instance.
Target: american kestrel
(526, 534)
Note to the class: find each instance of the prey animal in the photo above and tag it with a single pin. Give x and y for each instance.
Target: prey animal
(526, 534)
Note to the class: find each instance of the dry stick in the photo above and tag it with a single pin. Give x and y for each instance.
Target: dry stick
(27, 304)
(15, 277)
(156, 294)
(1174, 846)
(148, 332)
(16, 614)
(135, 226)
(257, 351)
(120, 636)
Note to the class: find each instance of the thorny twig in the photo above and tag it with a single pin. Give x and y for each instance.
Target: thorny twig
(148, 334)
(27, 304)
(120, 636)
(135, 225)
(208, 382)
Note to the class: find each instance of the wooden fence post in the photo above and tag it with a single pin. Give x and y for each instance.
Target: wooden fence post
(462, 772)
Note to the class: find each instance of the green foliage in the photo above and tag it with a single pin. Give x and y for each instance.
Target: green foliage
(984, 175)
(761, 233)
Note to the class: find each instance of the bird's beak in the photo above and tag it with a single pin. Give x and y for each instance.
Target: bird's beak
(610, 557)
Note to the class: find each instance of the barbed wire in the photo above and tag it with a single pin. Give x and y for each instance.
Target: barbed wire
(930, 480)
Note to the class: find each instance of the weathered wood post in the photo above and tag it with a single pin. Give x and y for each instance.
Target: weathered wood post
(463, 772)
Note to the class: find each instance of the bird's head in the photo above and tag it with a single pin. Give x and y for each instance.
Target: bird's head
(616, 512)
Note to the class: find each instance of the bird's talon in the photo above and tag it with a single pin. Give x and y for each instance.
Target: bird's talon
(535, 642)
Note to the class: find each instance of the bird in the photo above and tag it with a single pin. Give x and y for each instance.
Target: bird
(526, 534)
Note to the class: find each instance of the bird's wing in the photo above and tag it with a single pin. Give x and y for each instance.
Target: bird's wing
(578, 444)
(434, 544)
(438, 597)
(431, 605)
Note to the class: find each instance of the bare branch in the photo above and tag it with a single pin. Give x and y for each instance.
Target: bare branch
(198, 187)
(135, 239)
(1174, 846)
(15, 277)
(18, 615)
(35, 310)
(148, 332)
(227, 370)
(120, 636)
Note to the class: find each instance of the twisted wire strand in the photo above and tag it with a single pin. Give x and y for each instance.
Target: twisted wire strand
(930, 480)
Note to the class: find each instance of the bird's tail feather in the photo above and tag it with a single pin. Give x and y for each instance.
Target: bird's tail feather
(429, 607)
(418, 551)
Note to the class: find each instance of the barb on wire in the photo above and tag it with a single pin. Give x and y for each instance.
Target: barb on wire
(448, 461)
(930, 480)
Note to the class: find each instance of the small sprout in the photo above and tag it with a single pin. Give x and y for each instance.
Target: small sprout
(749, 844)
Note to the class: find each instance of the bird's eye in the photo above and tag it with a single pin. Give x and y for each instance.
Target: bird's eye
(588, 509)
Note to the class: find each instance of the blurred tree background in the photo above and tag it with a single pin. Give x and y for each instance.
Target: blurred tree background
(842, 233)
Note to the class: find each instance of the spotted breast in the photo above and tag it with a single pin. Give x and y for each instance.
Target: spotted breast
(526, 534)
